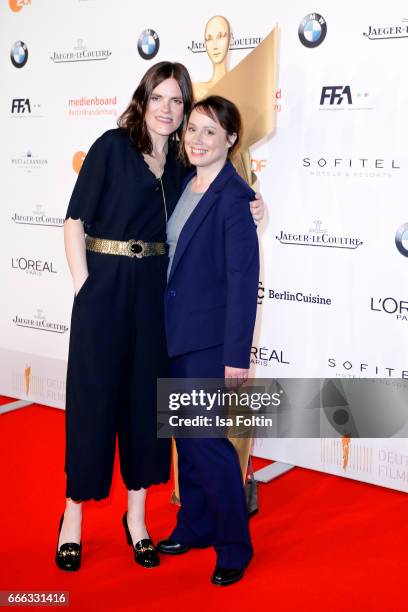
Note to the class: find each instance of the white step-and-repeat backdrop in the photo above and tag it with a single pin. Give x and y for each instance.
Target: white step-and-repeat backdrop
(332, 299)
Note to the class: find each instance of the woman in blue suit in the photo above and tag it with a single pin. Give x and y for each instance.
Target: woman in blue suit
(210, 307)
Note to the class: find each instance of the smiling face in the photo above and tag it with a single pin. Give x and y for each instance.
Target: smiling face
(206, 142)
(217, 39)
(165, 108)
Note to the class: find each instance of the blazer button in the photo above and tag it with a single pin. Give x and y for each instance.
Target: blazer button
(172, 293)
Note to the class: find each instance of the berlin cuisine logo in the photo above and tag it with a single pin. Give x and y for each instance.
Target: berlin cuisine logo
(312, 30)
(299, 297)
(317, 236)
(148, 44)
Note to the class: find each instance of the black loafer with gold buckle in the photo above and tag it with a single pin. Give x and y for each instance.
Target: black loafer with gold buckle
(68, 556)
(144, 550)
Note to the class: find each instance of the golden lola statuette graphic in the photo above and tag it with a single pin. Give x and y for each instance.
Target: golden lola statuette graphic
(251, 85)
(27, 377)
(346, 441)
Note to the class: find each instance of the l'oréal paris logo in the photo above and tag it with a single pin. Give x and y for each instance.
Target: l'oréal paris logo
(34, 267)
(397, 308)
(266, 356)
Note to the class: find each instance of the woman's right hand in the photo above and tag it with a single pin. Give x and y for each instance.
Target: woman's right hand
(78, 283)
(74, 238)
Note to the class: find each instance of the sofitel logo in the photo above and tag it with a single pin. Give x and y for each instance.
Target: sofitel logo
(319, 237)
(32, 266)
(386, 32)
(356, 167)
(29, 162)
(38, 217)
(359, 369)
(390, 305)
(80, 53)
(39, 322)
(264, 356)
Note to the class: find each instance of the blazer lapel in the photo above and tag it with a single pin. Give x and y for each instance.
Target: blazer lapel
(199, 213)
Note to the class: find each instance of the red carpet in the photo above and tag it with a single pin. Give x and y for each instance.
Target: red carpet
(321, 542)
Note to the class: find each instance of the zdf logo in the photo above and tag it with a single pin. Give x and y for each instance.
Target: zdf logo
(17, 5)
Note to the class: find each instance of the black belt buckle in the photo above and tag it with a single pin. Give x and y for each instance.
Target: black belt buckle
(136, 248)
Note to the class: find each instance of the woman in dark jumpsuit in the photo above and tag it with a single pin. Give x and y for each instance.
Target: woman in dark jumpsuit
(126, 190)
(117, 345)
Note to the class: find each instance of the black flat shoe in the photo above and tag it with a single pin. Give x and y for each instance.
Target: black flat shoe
(144, 550)
(223, 576)
(68, 556)
(170, 547)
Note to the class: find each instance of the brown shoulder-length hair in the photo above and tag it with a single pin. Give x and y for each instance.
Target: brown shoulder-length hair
(225, 113)
(133, 118)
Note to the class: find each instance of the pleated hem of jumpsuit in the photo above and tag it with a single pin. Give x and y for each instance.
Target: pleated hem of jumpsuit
(97, 498)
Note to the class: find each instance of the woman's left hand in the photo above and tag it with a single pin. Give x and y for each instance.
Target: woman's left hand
(257, 207)
(235, 377)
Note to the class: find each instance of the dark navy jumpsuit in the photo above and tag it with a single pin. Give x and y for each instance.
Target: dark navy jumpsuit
(117, 345)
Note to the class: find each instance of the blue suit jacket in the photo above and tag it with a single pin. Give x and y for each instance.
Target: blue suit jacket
(211, 295)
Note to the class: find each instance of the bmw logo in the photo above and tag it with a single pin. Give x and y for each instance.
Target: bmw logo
(312, 30)
(401, 239)
(148, 44)
(19, 54)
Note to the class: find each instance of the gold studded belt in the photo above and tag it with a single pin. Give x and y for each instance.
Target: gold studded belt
(129, 248)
